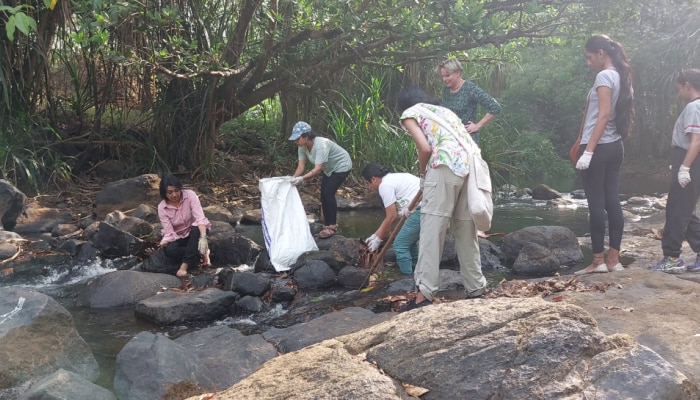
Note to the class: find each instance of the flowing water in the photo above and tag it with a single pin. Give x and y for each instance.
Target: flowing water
(107, 331)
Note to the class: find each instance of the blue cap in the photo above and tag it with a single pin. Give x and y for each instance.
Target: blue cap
(299, 129)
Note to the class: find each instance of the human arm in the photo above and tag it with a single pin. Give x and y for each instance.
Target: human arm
(604, 112)
(301, 165)
(385, 227)
(690, 155)
(472, 127)
(421, 142)
(487, 102)
(168, 232)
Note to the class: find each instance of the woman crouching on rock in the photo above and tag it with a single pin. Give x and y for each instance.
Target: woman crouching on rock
(180, 211)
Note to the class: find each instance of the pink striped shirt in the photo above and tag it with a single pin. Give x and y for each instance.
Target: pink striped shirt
(177, 221)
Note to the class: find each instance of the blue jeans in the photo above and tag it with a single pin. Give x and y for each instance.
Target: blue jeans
(406, 243)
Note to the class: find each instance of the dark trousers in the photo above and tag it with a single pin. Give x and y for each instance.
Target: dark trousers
(682, 221)
(329, 186)
(601, 182)
(185, 250)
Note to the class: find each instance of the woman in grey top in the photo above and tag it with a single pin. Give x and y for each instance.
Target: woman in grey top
(331, 161)
(608, 120)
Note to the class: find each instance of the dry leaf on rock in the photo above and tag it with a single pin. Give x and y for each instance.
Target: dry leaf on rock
(414, 391)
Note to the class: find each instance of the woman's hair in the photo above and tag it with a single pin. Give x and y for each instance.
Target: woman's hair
(309, 135)
(372, 170)
(412, 95)
(451, 65)
(170, 180)
(691, 76)
(624, 108)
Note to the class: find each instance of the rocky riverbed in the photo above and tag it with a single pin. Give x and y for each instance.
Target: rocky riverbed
(629, 334)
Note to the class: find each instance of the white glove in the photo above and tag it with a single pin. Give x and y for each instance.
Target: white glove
(203, 245)
(297, 180)
(405, 212)
(683, 176)
(585, 160)
(373, 242)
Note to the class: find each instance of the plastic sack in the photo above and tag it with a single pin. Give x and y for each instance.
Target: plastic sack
(479, 192)
(284, 224)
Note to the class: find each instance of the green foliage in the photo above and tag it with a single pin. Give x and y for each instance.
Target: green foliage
(359, 124)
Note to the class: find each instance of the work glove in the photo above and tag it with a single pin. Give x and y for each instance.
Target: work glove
(683, 176)
(203, 245)
(585, 160)
(405, 212)
(373, 242)
(297, 180)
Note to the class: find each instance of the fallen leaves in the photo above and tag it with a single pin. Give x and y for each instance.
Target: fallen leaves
(544, 288)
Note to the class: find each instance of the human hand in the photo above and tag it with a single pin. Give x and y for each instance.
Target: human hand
(162, 244)
(585, 160)
(373, 242)
(203, 245)
(471, 127)
(683, 176)
(297, 180)
(405, 212)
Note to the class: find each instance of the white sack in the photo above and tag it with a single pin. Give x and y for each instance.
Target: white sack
(284, 224)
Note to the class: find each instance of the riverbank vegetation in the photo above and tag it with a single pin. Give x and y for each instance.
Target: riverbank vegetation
(201, 87)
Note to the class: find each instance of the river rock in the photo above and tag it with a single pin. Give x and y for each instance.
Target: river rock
(160, 263)
(535, 260)
(560, 240)
(338, 323)
(64, 384)
(496, 348)
(352, 277)
(149, 364)
(7, 250)
(232, 248)
(147, 213)
(134, 226)
(12, 202)
(334, 260)
(38, 337)
(216, 212)
(250, 304)
(127, 194)
(246, 283)
(124, 288)
(315, 274)
(283, 293)
(175, 307)
(491, 255)
(544, 192)
(37, 219)
(114, 242)
(229, 355)
(251, 217)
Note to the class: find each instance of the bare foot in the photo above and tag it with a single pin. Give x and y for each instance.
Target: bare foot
(206, 259)
(182, 271)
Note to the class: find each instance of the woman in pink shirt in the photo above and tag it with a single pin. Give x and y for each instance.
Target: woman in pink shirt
(180, 211)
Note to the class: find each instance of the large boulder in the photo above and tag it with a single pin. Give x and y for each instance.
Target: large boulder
(38, 337)
(36, 219)
(534, 260)
(124, 288)
(473, 349)
(232, 248)
(173, 307)
(149, 365)
(560, 240)
(127, 194)
(229, 355)
(114, 242)
(11, 204)
(544, 192)
(64, 384)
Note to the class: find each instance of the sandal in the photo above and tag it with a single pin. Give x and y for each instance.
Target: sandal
(328, 231)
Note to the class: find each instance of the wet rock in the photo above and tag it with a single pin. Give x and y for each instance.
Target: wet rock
(251, 217)
(315, 274)
(250, 304)
(37, 337)
(347, 320)
(86, 252)
(491, 255)
(123, 288)
(263, 263)
(630, 216)
(12, 202)
(560, 203)
(175, 307)
(127, 194)
(148, 364)
(64, 384)
(578, 194)
(7, 250)
(560, 240)
(534, 260)
(160, 263)
(332, 259)
(348, 249)
(134, 226)
(229, 355)
(498, 348)
(544, 192)
(247, 283)
(281, 294)
(202, 281)
(640, 201)
(71, 246)
(352, 277)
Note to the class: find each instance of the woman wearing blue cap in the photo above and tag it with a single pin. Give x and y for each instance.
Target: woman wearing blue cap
(331, 161)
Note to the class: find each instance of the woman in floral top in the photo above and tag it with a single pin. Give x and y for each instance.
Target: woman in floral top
(443, 161)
